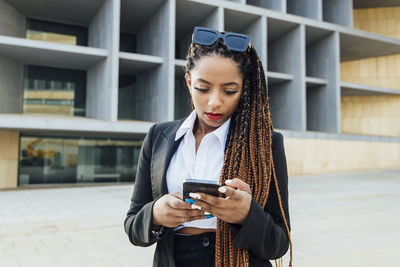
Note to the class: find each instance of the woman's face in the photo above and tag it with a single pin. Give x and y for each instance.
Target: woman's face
(215, 84)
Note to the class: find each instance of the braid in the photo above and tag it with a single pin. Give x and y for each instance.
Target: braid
(248, 151)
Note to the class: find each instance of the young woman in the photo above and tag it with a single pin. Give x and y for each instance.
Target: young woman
(227, 138)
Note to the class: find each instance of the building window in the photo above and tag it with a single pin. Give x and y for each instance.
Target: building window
(54, 91)
(55, 160)
(127, 42)
(56, 32)
(126, 97)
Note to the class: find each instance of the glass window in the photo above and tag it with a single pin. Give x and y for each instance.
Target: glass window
(126, 97)
(127, 42)
(55, 160)
(54, 91)
(56, 32)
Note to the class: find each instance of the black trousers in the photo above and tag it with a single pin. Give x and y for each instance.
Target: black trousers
(195, 250)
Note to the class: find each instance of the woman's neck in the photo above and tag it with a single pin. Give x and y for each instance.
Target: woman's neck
(200, 128)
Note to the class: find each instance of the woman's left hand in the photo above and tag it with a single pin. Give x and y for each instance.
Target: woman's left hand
(234, 208)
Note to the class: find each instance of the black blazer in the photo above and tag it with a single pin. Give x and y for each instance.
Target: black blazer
(263, 232)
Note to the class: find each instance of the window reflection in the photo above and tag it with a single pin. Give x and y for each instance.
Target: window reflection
(48, 160)
(51, 37)
(54, 91)
(56, 32)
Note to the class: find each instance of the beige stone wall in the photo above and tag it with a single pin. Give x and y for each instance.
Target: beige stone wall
(382, 20)
(9, 159)
(372, 115)
(376, 115)
(381, 72)
(314, 156)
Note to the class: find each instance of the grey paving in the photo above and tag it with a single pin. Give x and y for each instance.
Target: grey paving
(342, 219)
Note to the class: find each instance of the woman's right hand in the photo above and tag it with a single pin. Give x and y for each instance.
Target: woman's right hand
(170, 209)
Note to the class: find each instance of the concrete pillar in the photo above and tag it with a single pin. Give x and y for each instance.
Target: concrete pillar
(102, 78)
(12, 23)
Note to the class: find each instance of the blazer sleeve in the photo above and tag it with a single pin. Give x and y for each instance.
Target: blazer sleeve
(138, 222)
(264, 233)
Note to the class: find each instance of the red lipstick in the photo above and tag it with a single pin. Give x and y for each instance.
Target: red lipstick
(214, 116)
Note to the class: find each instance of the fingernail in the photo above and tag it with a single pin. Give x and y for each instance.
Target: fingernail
(194, 195)
(190, 201)
(197, 207)
(228, 181)
(206, 213)
(222, 190)
(209, 216)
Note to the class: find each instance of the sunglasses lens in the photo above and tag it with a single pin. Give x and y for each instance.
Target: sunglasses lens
(237, 43)
(205, 37)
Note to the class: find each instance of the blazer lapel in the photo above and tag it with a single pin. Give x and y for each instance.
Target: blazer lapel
(163, 150)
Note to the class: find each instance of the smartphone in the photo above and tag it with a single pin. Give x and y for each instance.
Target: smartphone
(203, 186)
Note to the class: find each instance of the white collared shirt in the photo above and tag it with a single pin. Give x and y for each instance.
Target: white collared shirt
(206, 164)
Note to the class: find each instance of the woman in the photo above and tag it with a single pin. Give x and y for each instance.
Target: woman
(228, 137)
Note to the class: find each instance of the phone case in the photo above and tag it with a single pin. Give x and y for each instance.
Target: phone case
(203, 186)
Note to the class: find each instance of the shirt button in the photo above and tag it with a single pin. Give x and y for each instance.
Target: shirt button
(206, 241)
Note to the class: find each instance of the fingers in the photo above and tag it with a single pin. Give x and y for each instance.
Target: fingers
(229, 192)
(176, 202)
(238, 184)
(213, 200)
(188, 213)
(178, 195)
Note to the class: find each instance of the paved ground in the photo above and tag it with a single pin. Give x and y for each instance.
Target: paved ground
(346, 219)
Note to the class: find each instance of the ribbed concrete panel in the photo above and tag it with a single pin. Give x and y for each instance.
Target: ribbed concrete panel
(12, 22)
(102, 85)
(11, 86)
(306, 8)
(286, 55)
(322, 70)
(338, 12)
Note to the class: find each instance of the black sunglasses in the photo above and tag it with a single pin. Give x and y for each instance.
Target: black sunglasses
(234, 41)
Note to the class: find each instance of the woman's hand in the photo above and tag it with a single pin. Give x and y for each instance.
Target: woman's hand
(234, 208)
(171, 211)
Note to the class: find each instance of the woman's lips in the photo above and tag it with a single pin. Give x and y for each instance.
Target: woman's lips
(214, 116)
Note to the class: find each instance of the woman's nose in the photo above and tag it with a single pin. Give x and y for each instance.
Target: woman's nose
(215, 100)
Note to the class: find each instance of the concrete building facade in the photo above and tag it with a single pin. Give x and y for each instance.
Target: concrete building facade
(81, 82)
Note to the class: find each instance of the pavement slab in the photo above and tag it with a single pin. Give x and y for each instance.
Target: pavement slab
(338, 219)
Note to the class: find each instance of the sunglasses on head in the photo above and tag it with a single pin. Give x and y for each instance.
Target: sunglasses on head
(234, 41)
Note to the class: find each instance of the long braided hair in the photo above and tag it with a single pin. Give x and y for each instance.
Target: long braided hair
(248, 152)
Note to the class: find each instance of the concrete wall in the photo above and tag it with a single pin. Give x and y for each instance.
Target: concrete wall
(12, 23)
(307, 8)
(377, 115)
(11, 86)
(9, 149)
(102, 79)
(152, 90)
(338, 11)
(323, 101)
(286, 54)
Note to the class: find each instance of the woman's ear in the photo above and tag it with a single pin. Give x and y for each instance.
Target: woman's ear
(188, 81)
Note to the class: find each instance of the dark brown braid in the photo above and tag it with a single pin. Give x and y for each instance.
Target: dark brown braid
(248, 152)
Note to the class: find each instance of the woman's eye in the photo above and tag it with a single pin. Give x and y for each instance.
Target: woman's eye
(230, 92)
(201, 89)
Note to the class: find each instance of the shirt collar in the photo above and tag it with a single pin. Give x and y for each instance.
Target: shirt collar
(221, 132)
